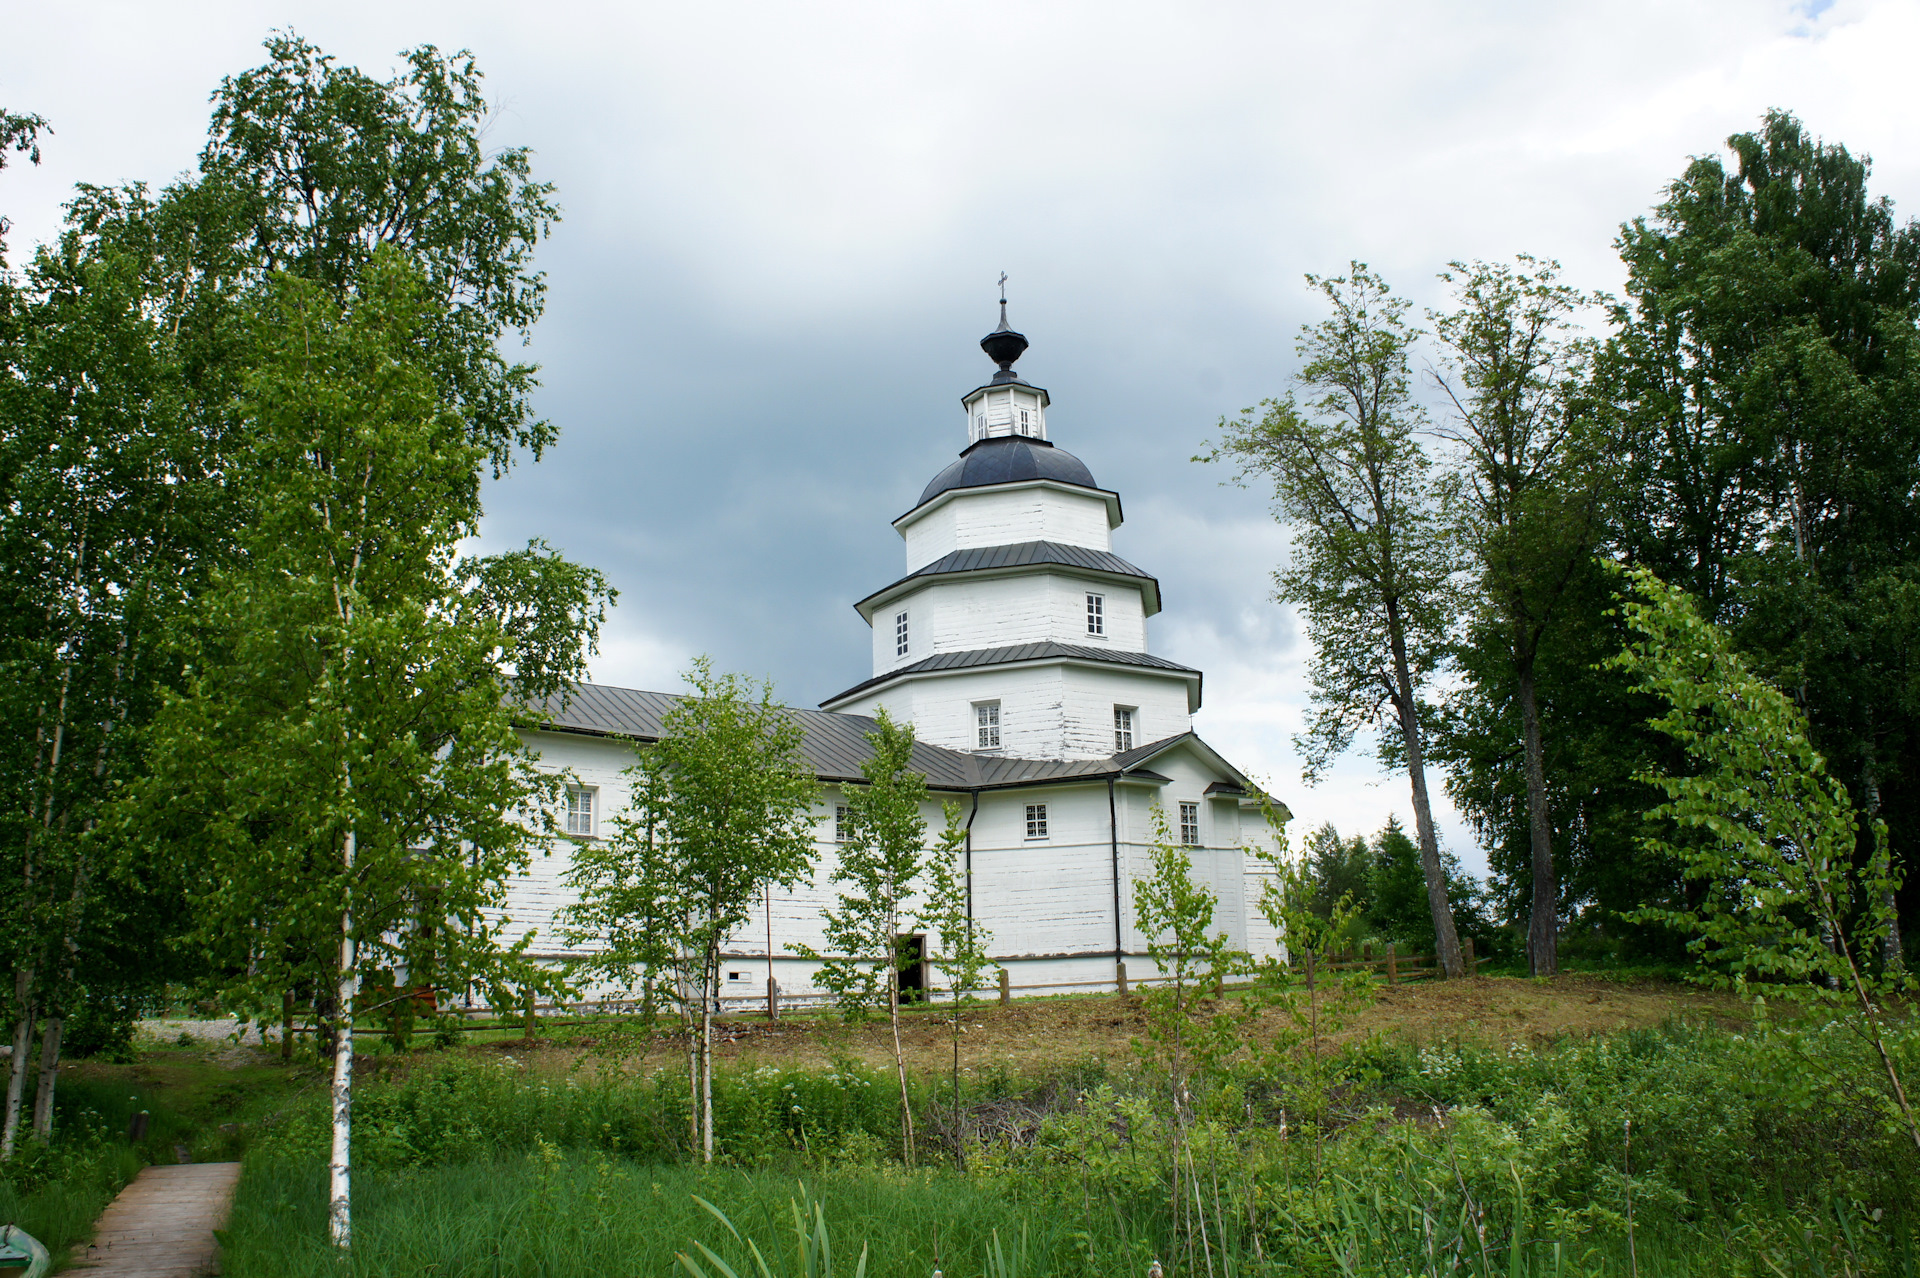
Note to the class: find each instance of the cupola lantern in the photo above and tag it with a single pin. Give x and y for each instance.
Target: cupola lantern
(1006, 405)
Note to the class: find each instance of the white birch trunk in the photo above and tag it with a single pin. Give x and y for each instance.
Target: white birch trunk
(340, 1161)
(22, 1044)
(900, 1062)
(707, 991)
(49, 1076)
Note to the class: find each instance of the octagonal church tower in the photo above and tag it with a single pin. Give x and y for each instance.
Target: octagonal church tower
(1017, 630)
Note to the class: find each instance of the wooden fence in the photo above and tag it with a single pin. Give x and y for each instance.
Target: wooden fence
(1389, 964)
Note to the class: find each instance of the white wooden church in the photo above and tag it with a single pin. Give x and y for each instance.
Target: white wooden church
(1015, 643)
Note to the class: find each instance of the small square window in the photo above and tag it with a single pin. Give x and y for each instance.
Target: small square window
(1190, 824)
(1096, 614)
(1122, 728)
(986, 725)
(842, 823)
(580, 804)
(900, 635)
(1036, 820)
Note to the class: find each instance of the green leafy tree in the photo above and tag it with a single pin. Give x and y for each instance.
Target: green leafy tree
(343, 756)
(881, 868)
(1374, 561)
(960, 953)
(1338, 872)
(1302, 1005)
(1765, 365)
(310, 167)
(1190, 1036)
(1787, 903)
(721, 808)
(1397, 897)
(1176, 916)
(1595, 743)
(19, 132)
(126, 349)
(1536, 467)
(103, 500)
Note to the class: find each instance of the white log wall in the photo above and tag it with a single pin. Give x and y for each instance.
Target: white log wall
(1005, 517)
(995, 612)
(1047, 902)
(1050, 711)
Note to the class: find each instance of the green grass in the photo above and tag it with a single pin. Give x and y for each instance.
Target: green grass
(1752, 1153)
(1757, 1153)
(554, 1215)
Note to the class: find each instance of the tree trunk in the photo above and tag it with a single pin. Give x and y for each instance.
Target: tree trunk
(693, 1068)
(340, 1161)
(22, 1044)
(1893, 956)
(1543, 923)
(708, 983)
(900, 1065)
(49, 1077)
(1446, 941)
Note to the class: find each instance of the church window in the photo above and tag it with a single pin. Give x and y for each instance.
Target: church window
(1036, 820)
(842, 823)
(1096, 614)
(1023, 422)
(900, 635)
(1122, 728)
(1190, 824)
(986, 723)
(580, 804)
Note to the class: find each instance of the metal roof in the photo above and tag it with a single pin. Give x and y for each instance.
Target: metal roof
(1023, 554)
(1045, 650)
(836, 744)
(1008, 459)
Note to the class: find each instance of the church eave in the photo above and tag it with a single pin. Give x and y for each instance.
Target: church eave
(966, 400)
(1019, 560)
(1114, 516)
(947, 664)
(835, 744)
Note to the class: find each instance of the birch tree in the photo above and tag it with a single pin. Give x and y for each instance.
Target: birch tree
(342, 760)
(125, 344)
(721, 807)
(1769, 833)
(1373, 563)
(883, 870)
(103, 518)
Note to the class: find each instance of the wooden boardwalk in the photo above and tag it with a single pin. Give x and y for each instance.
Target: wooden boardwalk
(161, 1225)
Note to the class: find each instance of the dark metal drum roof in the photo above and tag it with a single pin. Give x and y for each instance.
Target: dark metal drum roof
(1008, 459)
(1024, 554)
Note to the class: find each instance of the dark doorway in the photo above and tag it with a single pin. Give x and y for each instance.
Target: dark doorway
(913, 968)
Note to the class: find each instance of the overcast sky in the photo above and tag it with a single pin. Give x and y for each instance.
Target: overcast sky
(783, 223)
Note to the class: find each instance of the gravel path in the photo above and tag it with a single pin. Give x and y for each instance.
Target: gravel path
(219, 1031)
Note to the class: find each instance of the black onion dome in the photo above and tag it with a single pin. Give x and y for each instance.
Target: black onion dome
(1008, 459)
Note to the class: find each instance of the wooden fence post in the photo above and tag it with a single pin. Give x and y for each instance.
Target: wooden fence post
(1120, 977)
(1393, 965)
(1366, 952)
(286, 1026)
(531, 1005)
(1006, 988)
(1466, 947)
